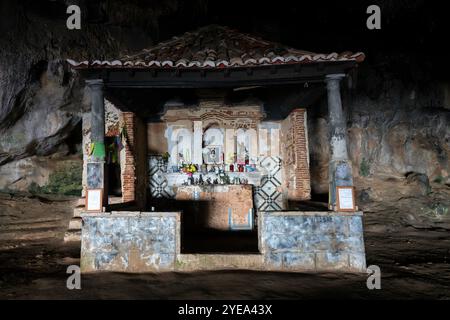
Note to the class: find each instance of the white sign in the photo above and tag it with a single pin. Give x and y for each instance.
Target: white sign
(94, 200)
(345, 199)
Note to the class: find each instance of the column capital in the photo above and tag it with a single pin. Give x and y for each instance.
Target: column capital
(334, 76)
(94, 83)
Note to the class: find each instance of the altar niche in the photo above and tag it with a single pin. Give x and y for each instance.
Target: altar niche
(221, 164)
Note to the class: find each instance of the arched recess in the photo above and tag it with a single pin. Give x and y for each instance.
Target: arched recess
(213, 142)
(181, 151)
(246, 145)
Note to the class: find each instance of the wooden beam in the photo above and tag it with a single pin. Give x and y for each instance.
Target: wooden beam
(214, 78)
(273, 70)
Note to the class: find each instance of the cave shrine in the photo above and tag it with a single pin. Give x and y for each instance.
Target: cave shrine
(209, 178)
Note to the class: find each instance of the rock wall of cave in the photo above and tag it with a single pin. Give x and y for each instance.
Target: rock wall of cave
(395, 129)
(41, 99)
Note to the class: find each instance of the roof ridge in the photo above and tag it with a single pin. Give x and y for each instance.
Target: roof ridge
(218, 46)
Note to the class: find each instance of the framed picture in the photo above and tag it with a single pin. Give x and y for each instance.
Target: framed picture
(213, 155)
(94, 200)
(345, 199)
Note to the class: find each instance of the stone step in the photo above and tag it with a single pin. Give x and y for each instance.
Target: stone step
(72, 235)
(114, 200)
(80, 202)
(75, 223)
(218, 261)
(77, 212)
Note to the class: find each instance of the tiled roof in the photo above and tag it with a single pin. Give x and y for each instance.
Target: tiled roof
(217, 47)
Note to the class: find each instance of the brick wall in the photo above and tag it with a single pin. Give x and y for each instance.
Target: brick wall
(129, 167)
(296, 155)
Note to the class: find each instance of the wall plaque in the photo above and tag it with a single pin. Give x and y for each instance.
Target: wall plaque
(345, 199)
(94, 200)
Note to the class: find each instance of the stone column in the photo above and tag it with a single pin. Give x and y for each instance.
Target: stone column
(97, 111)
(96, 177)
(197, 154)
(340, 168)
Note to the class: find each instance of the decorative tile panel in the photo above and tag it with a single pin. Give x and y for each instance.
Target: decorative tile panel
(268, 196)
(159, 187)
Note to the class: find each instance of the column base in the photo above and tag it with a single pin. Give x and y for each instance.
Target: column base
(97, 179)
(339, 175)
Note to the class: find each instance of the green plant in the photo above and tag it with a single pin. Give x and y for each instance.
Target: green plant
(364, 168)
(166, 156)
(439, 179)
(179, 264)
(66, 181)
(34, 188)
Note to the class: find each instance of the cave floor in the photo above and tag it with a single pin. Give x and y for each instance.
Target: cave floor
(414, 264)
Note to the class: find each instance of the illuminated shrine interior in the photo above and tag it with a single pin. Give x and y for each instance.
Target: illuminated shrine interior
(220, 155)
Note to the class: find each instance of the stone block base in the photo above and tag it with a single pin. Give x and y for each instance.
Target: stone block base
(288, 241)
(319, 241)
(130, 241)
